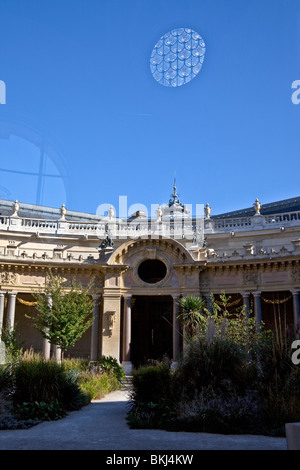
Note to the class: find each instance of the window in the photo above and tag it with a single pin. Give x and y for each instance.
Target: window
(152, 271)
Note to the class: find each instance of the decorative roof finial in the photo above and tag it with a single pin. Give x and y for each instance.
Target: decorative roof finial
(257, 206)
(174, 196)
(111, 212)
(16, 207)
(63, 211)
(207, 211)
(159, 213)
(175, 188)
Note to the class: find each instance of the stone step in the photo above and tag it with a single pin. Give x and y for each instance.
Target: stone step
(127, 382)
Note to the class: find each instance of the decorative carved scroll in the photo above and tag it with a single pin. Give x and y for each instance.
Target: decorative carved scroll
(8, 278)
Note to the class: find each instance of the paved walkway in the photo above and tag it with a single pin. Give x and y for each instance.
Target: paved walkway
(102, 426)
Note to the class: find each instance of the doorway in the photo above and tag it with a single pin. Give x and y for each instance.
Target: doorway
(151, 329)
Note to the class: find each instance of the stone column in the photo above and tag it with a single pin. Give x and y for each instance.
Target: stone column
(57, 353)
(208, 302)
(2, 299)
(246, 300)
(176, 329)
(11, 311)
(95, 329)
(46, 345)
(126, 362)
(257, 308)
(296, 309)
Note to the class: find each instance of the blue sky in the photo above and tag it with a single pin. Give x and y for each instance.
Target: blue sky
(79, 86)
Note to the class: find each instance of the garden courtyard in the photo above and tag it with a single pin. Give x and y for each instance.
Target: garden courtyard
(234, 386)
(102, 425)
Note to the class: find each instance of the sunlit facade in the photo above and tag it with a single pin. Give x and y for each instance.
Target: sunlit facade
(143, 265)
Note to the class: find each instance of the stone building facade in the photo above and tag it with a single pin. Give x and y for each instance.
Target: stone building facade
(142, 265)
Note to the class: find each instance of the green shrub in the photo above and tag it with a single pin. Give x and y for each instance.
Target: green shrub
(71, 395)
(109, 365)
(5, 406)
(78, 364)
(6, 379)
(153, 396)
(275, 365)
(37, 389)
(13, 347)
(150, 415)
(95, 385)
(40, 411)
(216, 414)
(216, 365)
(8, 418)
(38, 380)
(152, 384)
(230, 379)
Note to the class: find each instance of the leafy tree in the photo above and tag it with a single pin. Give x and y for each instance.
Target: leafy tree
(13, 347)
(63, 315)
(238, 326)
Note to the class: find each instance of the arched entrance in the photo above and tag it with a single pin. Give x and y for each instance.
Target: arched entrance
(151, 328)
(151, 285)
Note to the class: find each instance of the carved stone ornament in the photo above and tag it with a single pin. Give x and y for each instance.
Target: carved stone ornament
(8, 278)
(107, 243)
(111, 317)
(250, 277)
(249, 248)
(99, 281)
(204, 280)
(295, 274)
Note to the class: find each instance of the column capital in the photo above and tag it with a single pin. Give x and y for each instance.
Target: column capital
(127, 296)
(295, 291)
(257, 293)
(175, 296)
(96, 296)
(243, 294)
(12, 293)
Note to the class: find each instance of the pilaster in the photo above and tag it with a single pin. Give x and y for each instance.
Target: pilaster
(95, 329)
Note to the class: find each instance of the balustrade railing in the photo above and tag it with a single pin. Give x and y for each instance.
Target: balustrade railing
(287, 217)
(219, 224)
(121, 228)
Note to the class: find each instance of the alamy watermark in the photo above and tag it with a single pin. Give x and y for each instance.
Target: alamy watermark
(168, 221)
(296, 94)
(296, 354)
(2, 92)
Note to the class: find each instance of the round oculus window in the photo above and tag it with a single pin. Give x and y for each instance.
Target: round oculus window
(152, 271)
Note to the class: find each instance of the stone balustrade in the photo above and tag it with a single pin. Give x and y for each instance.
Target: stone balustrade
(122, 228)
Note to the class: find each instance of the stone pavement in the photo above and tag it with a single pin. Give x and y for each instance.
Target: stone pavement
(102, 426)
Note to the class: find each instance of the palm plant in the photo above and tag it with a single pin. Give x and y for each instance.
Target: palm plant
(191, 313)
